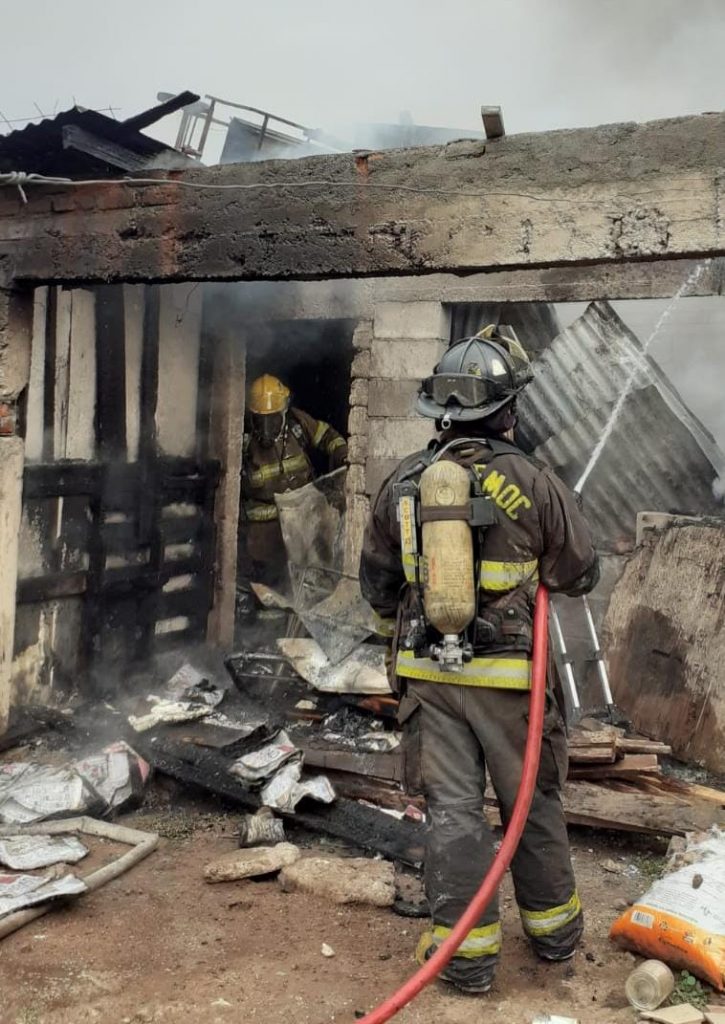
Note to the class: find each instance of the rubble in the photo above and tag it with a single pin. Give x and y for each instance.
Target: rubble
(287, 788)
(684, 1013)
(189, 684)
(32, 792)
(167, 711)
(261, 829)
(117, 775)
(110, 780)
(342, 880)
(240, 864)
(261, 764)
(363, 671)
(365, 827)
(553, 1018)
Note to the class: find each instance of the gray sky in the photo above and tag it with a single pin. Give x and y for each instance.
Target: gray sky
(549, 63)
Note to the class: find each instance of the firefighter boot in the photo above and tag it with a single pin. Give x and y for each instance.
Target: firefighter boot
(468, 973)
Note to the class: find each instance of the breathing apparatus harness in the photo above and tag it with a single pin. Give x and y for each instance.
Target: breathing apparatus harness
(479, 512)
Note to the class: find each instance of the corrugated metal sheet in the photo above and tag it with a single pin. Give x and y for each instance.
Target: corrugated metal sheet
(534, 323)
(659, 456)
(38, 148)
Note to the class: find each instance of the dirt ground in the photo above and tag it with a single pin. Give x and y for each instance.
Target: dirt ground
(161, 945)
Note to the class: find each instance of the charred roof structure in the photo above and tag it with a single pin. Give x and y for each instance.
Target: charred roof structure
(80, 143)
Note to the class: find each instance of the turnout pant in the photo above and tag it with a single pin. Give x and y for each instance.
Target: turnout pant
(454, 735)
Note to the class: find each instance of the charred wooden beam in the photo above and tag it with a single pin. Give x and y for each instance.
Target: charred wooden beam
(352, 822)
(154, 114)
(51, 587)
(101, 149)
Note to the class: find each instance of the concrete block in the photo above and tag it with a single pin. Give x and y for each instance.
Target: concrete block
(362, 336)
(359, 392)
(357, 449)
(355, 480)
(396, 438)
(360, 364)
(405, 360)
(410, 320)
(357, 514)
(376, 471)
(357, 421)
(392, 398)
(342, 880)
(249, 863)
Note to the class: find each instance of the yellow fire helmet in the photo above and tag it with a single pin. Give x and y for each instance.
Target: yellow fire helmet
(268, 395)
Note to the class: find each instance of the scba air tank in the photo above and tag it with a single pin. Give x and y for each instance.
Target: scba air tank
(449, 587)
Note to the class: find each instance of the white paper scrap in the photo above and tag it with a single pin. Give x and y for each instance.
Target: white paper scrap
(262, 763)
(32, 792)
(26, 853)
(20, 891)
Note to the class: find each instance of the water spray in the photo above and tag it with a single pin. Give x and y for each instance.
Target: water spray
(691, 279)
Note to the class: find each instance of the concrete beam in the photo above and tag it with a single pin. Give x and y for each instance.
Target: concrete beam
(593, 195)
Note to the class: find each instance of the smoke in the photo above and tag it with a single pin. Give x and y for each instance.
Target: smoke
(553, 64)
(630, 61)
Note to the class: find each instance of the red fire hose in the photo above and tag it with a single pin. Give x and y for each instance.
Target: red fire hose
(432, 968)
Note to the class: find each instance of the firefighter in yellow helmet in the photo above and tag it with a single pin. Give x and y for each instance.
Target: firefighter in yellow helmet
(277, 458)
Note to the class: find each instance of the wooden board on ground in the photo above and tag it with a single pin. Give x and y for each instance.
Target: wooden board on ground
(637, 806)
(630, 764)
(378, 766)
(628, 806)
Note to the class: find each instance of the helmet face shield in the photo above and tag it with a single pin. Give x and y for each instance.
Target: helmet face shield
(267, 427)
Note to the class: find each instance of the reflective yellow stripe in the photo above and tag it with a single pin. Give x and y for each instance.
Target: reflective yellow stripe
(484, 941)
(501, 673)
(322, 429)
(409, 564)
(544, 922)
(261, 513)
(273, 469)
(384, 627)
(335, 443)
(501, 576)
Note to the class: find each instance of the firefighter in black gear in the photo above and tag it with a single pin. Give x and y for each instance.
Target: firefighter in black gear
(460, 725)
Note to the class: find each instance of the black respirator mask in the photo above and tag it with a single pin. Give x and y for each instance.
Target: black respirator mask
(267, 428)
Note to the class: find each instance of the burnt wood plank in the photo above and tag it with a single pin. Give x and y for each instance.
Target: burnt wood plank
(110, 372)
(51, 587)
(348, 820)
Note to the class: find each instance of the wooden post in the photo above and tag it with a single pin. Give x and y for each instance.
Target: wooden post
(226, 429)
(16, 332)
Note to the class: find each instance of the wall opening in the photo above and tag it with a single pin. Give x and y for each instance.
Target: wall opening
(313, 358)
